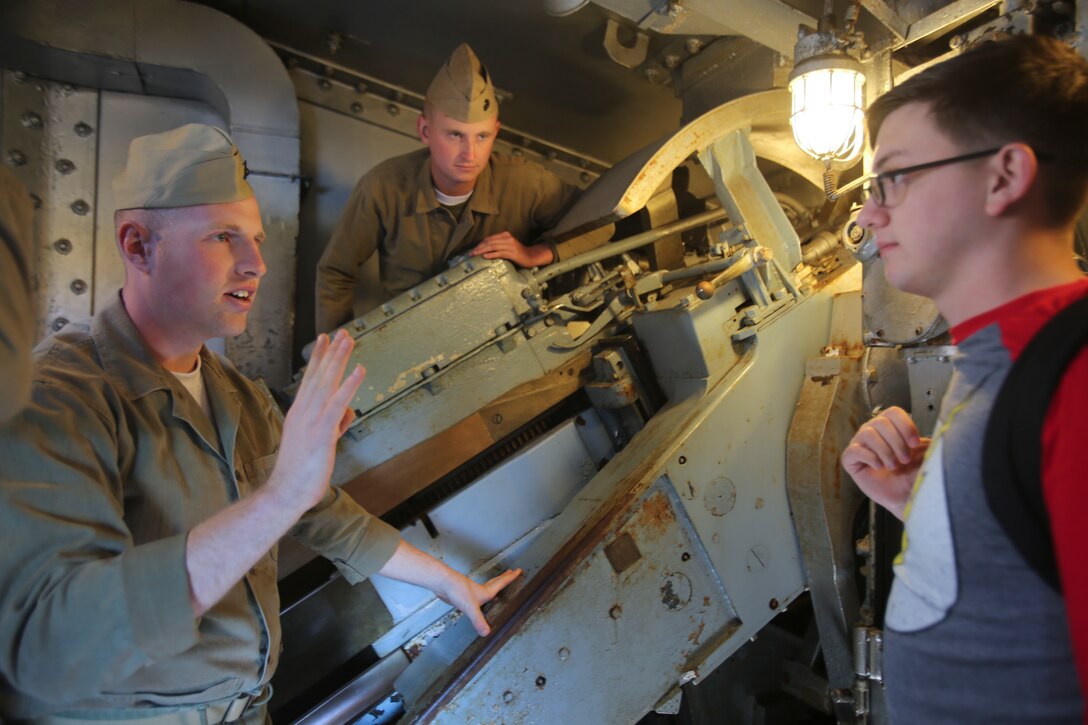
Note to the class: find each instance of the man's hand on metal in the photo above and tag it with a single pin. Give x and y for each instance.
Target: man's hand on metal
(409, 564)
(505, 246)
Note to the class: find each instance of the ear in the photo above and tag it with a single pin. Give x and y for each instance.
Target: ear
(134, 241)
(1012, 174)
(422, 129)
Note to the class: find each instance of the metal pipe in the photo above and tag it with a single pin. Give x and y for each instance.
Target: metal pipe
(697, 270)
(638, 240)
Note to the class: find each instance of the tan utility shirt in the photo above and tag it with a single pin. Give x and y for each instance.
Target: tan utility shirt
(16, 308)
(393, 210)
(101, 479)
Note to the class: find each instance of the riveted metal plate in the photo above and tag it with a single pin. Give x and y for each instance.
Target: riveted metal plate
(49, 140)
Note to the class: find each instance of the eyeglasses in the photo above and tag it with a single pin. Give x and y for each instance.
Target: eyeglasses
(886, 188)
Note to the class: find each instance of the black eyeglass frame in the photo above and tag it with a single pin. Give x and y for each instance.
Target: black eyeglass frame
(873, 184)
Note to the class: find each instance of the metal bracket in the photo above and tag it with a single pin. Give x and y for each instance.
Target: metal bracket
(629, 56)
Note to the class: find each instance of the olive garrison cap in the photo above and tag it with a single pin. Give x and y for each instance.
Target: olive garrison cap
(188, 166)
(462, 88)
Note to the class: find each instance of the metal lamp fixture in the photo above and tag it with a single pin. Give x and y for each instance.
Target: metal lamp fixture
(827, 95)
(827, 92)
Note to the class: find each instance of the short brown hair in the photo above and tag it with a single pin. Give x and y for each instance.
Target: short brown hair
(1030, 89)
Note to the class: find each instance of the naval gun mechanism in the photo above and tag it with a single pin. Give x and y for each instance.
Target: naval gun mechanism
(650, 431)
(624, 440)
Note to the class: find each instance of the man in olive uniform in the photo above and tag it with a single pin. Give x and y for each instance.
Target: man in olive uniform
(144, 488)
(418, 210)
(16, 310)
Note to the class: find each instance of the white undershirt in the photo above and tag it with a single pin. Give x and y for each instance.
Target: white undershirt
(446, 200)
(194, 383)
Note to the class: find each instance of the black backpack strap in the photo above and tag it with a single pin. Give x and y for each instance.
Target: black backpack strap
(1012, 459)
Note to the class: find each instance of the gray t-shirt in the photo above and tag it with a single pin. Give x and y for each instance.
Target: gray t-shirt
(973, 634)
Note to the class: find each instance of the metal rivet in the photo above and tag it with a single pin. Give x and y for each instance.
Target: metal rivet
(585, 177)
(360, 87)
(19, 76)
(682, 460)
(552, 154)
(83, 130)
(496, 419)
(685, 556)
(80, 207)
(564, 654)
(393, 109)
(773, 604)
(541, 681)
(59, 323)
(16, 157)
(616, 611)
(324, 84)
(508, 697)
(65, 166)
(32, 120)
(516, 152)
(356, 107)
(63, 246)
(68, 88)
(78, 286)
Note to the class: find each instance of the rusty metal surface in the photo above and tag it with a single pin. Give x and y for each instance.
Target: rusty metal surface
(629, 185)
(711, 467)
(823, 499)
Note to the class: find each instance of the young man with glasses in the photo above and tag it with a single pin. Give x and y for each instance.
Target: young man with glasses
(981, 172)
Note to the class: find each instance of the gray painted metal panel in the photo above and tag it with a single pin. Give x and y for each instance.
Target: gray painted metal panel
(716, 461)
(773, 23)
(553, 670)
(746, 195)
(48, 149)
(486, 525)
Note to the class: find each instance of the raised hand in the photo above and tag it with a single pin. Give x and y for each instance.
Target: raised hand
(884, 456)
(315, 421)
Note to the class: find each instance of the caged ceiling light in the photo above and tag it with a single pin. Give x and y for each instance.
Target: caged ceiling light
(827, 96)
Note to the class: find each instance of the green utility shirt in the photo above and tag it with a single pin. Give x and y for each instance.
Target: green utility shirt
(393, 210)
(16, 308)
(101, 479)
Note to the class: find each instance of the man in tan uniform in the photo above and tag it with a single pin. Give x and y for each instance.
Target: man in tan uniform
(16, 310)
(418, 210)
(144, 489)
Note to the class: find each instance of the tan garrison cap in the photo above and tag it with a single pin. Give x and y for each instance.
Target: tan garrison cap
(462, 88)
(188, 166)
